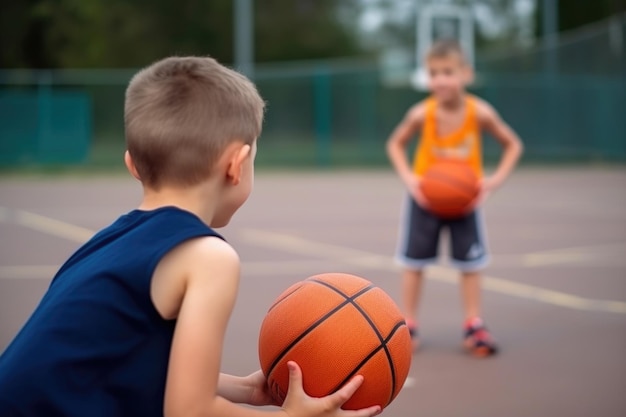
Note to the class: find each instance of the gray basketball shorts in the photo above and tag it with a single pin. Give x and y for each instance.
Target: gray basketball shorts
(420, 232)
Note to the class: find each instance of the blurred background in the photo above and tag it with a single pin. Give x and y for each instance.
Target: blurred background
(336, 74)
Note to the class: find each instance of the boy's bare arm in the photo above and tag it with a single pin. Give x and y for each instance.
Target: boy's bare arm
(211, 269)
(398, 141)
(194, 385)
(512, 146)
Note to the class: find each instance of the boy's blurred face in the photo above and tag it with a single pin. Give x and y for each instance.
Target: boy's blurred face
(448, 76)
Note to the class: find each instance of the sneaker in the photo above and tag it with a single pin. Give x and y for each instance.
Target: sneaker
(477, 340)
(415, 341)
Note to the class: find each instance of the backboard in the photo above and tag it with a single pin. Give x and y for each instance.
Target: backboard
(438, 20)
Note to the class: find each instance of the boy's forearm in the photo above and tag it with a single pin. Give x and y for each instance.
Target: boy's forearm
(224, 408)
(232, 388)
(398, 159)
(510, 156)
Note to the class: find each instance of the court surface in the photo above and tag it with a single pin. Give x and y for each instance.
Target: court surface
(554, 295)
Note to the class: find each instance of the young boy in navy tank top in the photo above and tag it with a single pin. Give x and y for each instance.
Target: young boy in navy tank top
(133, 323)
(450, 122)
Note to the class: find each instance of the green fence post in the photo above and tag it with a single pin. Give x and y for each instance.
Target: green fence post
(322, 96)
(367, 116)
(44, 110)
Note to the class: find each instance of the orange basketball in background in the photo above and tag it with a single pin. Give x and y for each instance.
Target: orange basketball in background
(450, 187)
(336, 326)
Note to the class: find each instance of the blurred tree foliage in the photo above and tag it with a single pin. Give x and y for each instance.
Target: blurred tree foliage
(576, 13)
(131, 33)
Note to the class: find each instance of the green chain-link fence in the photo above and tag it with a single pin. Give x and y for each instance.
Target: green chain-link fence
(567, 103)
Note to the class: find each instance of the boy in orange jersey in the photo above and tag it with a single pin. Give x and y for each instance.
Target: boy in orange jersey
(450, 122)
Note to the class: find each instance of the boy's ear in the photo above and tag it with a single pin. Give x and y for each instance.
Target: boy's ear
(130, 165)
(235, 163)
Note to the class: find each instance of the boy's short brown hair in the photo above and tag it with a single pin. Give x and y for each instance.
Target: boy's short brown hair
(181, 113)
(444, 48)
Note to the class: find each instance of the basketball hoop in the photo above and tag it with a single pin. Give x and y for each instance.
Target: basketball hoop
(437, 21)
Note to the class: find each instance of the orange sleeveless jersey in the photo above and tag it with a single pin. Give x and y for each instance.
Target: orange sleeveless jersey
(464, 143)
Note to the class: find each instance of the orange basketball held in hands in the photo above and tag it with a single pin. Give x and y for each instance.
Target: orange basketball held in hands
(450, 187)
(336, 326)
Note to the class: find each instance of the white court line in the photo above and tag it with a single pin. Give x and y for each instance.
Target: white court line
(535, 293)
(408, 382)
(603, 246)
(294, 244)
(263, 268)
(345, 255)
(563, 256)
(28, 272)
(545, 259)
(53, 227)
(599, 260)
(300, 266)
(47, 225)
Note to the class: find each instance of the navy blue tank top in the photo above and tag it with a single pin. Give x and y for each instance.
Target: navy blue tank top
(96, 346)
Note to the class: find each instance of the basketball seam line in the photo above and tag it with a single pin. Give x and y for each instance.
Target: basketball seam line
(317, 323)
(284, 298)
(441, 177)
(383, 345)
(374, 328)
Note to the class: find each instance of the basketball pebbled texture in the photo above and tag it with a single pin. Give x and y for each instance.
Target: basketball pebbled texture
(336, 326)
(450, 187)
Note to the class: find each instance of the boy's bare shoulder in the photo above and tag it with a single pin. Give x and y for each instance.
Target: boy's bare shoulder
(417, 112)
(485, 111)
(210, 251)
(205, 259)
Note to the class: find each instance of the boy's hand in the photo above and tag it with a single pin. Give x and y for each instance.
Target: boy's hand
(299, 404)
(487, 186)
(413, 184)
(259, 390)
(490, 184)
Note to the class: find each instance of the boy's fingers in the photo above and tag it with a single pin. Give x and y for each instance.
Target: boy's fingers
(364, 412)
(295, 377)
(419, 198)
(344, 394)
(338, 398)
(294, 390)
(474, 204)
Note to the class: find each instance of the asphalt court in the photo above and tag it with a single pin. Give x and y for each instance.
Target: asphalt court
(554, 295)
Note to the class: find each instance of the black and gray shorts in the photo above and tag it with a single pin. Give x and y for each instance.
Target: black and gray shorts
(420, 232)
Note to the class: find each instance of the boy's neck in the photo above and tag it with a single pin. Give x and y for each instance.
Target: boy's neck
(454, 103)
(198, 200)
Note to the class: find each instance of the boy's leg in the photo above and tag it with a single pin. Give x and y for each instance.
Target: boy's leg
(469, 253)
(417, 248)
(412, 284)
(470, 294)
